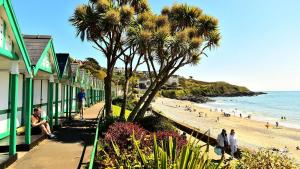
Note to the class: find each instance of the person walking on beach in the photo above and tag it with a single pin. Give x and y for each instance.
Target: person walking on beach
(80, 100)
(232, 142)
(267, 125)
(222, 141)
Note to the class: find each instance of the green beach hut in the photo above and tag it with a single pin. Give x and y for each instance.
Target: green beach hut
(45, 72)
(76, 85)
(15, 69)
(64, 62)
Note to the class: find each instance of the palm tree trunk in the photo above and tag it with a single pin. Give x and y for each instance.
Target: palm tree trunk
(140, 102)
(124, 103)
(147, 103)
(108, 95)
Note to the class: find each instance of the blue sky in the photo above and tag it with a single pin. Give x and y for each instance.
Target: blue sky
(260, 45)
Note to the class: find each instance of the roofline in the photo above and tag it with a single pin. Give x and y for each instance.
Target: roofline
(48, 47)
(17, 33)
(37, 36)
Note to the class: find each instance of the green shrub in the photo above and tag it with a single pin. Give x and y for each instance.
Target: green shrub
(174, 94)
(164, 156)
(131, 102)
(265, 159)
(154, 123)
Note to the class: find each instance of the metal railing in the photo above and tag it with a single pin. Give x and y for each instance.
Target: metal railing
(94, 150)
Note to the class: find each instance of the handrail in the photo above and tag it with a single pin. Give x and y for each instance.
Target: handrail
(93, 154)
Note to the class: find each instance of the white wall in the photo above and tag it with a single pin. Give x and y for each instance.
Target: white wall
(59, 97)
(20, 99)
(74, 97)
(4, 86)
(36, 92)
(45, 94)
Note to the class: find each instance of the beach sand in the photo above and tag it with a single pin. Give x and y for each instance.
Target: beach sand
(250, 133)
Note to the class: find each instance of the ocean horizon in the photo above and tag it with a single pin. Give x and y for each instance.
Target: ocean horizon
(268, 107)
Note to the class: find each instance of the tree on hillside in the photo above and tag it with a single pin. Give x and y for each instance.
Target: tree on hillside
(91, 65)
(104, 23)
(177, 37)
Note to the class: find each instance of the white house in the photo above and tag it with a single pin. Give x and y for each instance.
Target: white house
(144, 83)
(173, 80)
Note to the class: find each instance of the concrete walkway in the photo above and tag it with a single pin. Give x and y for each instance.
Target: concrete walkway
(74, 139)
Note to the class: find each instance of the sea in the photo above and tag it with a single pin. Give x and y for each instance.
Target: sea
(268, 107)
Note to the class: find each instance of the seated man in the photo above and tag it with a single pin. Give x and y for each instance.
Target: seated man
(37, 121)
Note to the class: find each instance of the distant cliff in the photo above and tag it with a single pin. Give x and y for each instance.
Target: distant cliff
(199, 91)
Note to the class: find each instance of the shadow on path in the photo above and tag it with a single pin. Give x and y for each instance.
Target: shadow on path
(77, 131)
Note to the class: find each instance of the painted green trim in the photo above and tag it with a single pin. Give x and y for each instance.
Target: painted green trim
(56, 104)
(40, 105)
(13, 114)
(40, 61)
(70, 100)
(17, 33)
(8, 54)
(55, 59)
(68, 76)
(67, 100)
(28, 109)
(50, 103)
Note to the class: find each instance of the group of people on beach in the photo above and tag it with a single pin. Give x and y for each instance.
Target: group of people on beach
(225, 142)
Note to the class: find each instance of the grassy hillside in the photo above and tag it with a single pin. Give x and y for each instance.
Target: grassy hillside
(198, 91)
(213, 88)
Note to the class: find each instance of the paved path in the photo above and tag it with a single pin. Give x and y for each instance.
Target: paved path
(64, 152)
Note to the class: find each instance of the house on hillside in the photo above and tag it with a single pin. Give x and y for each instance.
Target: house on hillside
(173, 80)
(144, 83)
(119, 70)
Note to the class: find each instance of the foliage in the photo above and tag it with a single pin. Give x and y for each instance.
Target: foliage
(266, 159)
(101, 74)
(104, 23)
(117, 110)
(175, 94)
(164, 156)
(92, 66)
(196, 87)
(109, 120)
(120, 133)
(153, 124)
(164, 135)
(179, 36)
(131, 101)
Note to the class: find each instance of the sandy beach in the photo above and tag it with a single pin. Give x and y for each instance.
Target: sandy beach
(251, 134)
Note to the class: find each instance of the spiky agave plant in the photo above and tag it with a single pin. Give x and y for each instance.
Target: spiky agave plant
(166, 156)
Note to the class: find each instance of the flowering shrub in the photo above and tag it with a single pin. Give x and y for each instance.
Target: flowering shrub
(154, 123)
(266, 159)
(164, 135)
(121, 133)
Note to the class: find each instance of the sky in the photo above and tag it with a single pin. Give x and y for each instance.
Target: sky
(260, 46)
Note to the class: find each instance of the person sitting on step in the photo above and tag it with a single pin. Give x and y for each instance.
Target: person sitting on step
(39, 120)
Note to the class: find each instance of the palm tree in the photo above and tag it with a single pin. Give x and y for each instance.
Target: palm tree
(178, 37)
(103, 23)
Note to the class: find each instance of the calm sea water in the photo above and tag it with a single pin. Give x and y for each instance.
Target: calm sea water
(269, 107)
